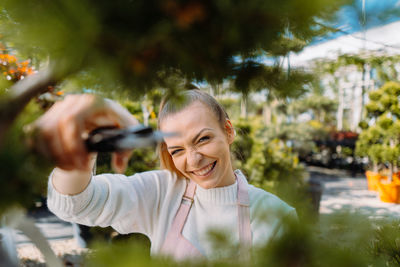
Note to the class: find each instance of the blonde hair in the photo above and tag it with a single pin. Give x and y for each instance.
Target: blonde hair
(169, 107)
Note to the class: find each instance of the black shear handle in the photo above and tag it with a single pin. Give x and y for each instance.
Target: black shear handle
(108, 139)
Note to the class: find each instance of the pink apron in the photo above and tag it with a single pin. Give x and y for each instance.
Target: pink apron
(178, 247)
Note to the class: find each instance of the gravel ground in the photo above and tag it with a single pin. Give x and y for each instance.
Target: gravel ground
(344, 192)
(60, 236)
(67, 250)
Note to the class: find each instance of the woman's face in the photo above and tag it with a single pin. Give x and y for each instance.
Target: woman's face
(201, 150)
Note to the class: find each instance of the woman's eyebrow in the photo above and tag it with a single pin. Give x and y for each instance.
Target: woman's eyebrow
(199, 133)
(194, 138)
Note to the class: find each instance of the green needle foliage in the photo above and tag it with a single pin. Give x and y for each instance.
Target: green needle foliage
(136, 46)
(340, 239)
(386, 243)
(136, 40)
(22, 173)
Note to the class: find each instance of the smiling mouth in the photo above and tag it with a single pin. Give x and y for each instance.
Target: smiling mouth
(206, 170)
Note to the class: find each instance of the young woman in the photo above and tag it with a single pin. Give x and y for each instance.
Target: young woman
(195, 192)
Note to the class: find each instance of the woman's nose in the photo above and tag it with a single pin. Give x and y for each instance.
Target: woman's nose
(194, 158)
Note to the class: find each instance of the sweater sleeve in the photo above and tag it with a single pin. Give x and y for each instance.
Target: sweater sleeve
(128, 204)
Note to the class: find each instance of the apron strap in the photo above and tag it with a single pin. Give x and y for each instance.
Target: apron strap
(186, 204)
(180, 218)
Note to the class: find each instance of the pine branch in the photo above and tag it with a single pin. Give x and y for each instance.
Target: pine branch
(20, 94)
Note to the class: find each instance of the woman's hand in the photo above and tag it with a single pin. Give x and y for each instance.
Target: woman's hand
(60, 132)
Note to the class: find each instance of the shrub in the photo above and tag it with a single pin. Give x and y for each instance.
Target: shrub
(243, 144)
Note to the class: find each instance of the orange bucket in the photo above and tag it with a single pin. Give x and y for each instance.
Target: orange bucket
(389, 192)
(373, 179)
(396, 178)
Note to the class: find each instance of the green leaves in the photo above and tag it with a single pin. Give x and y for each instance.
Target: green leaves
(385, 121)
(375, 95)
(381, 140)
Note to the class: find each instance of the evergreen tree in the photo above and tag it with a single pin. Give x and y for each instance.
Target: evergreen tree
(135, 46)
(140, 43)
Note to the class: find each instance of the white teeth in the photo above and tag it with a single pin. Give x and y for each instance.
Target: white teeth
(204, 170)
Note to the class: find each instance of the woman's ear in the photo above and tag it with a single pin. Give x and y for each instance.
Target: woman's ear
(230, 131)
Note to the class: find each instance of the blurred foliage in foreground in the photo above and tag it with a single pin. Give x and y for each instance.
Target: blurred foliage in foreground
(340, 239)
(23, 173)
(140, 42)
(137, 46)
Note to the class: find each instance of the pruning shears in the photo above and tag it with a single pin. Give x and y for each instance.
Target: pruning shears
(115, 139)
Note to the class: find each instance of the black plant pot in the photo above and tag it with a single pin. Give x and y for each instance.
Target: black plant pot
(315, 190)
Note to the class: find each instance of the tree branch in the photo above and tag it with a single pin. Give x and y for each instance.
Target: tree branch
(19, 96)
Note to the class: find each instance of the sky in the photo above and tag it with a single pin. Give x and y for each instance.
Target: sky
(377, 12)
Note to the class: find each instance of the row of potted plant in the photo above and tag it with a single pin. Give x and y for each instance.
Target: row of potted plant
(388, 189)
(380, 141)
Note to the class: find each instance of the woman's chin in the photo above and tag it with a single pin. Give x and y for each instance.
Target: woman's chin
(206, 185)
(204, 182)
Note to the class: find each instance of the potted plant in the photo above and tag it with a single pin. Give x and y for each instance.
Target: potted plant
(381, 139)
(368, 144)
(389, 191)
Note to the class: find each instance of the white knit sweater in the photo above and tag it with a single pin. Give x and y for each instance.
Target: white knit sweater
(147, 203)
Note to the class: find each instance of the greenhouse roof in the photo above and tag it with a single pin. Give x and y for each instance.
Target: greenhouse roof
(382, 39)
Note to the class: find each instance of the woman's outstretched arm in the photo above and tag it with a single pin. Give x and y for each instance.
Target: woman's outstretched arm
(60, 134)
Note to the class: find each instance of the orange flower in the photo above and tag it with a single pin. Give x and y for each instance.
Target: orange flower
(12, 69)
